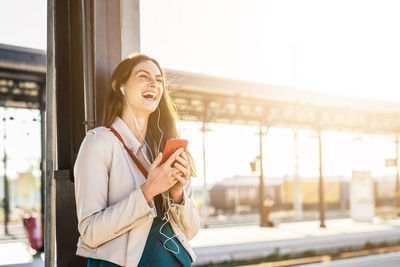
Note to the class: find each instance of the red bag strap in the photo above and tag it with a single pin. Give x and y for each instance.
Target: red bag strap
(137, 162)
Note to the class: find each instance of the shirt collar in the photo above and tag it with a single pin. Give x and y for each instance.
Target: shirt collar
(130, 140)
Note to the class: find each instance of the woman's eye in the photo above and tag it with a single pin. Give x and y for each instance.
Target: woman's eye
(159, 81)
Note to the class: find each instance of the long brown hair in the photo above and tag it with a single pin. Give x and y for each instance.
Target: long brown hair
(168, 109)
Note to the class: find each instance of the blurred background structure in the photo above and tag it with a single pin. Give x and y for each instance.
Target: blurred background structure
(22, 80)
(294, 129)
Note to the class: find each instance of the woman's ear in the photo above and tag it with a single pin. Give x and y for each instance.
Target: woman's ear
(113, 84)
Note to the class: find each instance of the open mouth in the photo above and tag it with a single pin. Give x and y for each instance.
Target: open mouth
(150, 96)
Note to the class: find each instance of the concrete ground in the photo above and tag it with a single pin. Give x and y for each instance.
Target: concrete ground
(15, 249)
(249, 242)
(18, 253)
(246, 241)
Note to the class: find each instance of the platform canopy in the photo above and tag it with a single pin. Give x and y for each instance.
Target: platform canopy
(208, 98)
(22, 76)
(215, 99)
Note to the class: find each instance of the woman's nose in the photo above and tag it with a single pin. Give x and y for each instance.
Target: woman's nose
(153, 82)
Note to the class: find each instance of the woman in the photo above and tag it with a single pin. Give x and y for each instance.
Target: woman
(132, 210)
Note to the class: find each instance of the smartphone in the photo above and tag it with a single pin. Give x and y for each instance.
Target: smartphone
(172, 145)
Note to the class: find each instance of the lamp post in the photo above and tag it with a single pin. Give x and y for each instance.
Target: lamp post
(253, 166)
(321, 202)
(205, 191)
(6, 202)
(321, 184)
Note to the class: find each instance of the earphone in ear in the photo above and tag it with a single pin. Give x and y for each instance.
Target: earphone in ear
(122, 90)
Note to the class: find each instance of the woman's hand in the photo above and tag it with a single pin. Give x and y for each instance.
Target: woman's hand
(160, 178)
(182, 177)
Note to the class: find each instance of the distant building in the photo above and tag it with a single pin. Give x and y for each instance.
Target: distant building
(25, 191)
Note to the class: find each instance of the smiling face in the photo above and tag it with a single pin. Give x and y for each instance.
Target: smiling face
(144, 87)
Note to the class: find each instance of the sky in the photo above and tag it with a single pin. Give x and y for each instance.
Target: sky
(23, 23)
(342, 47)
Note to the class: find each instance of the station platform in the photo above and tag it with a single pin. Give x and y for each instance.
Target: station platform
(236, 243)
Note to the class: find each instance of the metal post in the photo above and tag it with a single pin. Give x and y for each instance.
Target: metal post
(261, 186)
(397, 176)
(87, 48)
(205, 191)
(49, 237)
(43, 170)
(6, 203)
(321, 185)
(297, 194)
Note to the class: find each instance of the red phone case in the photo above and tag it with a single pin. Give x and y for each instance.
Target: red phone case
(172, 145)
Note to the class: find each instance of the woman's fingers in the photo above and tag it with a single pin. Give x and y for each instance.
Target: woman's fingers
(183, 165)
(173, 172)
(182, 161)
(180, 167)
(180, 179)
(172, 158)
(172, 176)
(183, 155)
(185, 172)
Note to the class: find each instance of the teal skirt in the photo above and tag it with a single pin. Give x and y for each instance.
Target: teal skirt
(100, 263)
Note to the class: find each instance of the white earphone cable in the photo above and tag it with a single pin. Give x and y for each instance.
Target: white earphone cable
(166, 214)
(162, 134)
(137, 126)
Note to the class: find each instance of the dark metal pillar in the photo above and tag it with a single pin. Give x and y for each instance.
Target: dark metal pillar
(87, 47)
(321, 185)
(42, 120)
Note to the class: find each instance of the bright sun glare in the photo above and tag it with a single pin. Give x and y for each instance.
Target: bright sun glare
(341, 47)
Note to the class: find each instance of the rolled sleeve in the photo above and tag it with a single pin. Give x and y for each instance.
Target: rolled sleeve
(185, 214)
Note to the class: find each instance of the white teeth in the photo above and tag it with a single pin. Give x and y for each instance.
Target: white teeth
(149, 95)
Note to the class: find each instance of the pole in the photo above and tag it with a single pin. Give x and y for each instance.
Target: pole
(297, 196)
(6, 203)
(205, 191)
(42, 169)
(321, 185)
(261, 187)
(397, 176)
(87, 47)
(49, 212)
